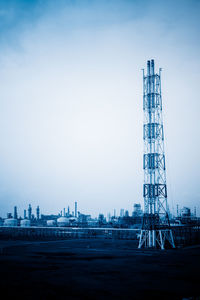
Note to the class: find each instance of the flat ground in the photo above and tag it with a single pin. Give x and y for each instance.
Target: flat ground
(97, 269)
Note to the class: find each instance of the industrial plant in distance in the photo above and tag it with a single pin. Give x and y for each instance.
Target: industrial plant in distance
(74, 218)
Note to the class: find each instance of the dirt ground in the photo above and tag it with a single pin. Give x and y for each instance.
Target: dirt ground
(97, 269)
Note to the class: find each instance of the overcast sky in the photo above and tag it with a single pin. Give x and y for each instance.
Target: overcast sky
(71, 117)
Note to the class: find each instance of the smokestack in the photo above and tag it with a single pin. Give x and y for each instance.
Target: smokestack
(76, 209)
(152, 67)
(148, 67)
(29, 212)
(15, 212)
(38, 212)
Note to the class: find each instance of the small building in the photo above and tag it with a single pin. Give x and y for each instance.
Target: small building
(25, 223)
(63, 222)
(10, 222)
(185, 212)
(51, 223)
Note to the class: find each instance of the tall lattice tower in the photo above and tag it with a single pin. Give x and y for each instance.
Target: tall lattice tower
(156, 227)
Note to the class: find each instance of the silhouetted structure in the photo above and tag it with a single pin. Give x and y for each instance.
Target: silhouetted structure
(121, 212)
(75, 209)
(137, 210)
(38, 213)
(29, 212)
(15, 212)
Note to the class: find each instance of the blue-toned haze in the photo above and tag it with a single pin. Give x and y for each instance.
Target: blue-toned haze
(71, 117)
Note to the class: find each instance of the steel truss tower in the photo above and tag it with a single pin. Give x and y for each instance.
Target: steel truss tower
(156, 230)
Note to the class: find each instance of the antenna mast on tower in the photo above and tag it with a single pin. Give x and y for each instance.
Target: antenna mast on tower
(156, 227)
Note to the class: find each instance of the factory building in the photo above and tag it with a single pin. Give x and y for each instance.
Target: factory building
(10, 222)
(51, 223)
(25, 223)
(63, 222)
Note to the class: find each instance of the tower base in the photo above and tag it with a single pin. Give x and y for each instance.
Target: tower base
(156, 238)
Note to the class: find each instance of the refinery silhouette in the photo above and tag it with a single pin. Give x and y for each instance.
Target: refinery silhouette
(74, 218)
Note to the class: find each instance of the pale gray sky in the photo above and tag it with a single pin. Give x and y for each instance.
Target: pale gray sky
(71, 102)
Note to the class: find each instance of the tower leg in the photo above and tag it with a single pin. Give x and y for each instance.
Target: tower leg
(154, 238)
(172, 239)
(162, 242)
(150, 238)
(144, 239)
(140, 240)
